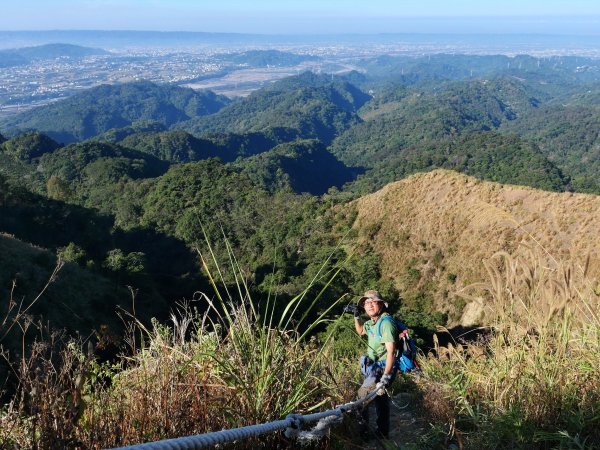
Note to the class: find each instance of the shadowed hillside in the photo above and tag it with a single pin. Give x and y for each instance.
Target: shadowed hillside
(79, 299)
(303, 166)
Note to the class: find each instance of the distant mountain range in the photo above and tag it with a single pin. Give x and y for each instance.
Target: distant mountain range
(436, 42)
(504, 128)
(24, 55)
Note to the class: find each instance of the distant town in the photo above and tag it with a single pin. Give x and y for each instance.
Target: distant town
(44, 80)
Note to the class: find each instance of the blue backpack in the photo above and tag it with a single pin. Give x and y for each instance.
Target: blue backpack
(406, 358)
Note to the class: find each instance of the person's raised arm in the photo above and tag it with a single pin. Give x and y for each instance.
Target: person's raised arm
(359, 326)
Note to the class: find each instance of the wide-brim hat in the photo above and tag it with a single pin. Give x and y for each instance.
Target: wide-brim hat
(371, 295)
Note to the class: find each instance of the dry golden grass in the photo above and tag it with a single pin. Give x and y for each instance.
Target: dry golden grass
(534, 381)
(180, 380)
(467, 220)
(227, 368)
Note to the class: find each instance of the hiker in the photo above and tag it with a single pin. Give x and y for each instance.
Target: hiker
(380, 362)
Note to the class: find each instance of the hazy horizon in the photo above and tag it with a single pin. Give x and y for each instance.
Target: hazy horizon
(481, 29)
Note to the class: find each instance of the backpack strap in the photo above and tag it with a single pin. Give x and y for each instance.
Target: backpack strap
(379, 323)
(402, 329)
(407, 351)
(384, 318)
(379, 326)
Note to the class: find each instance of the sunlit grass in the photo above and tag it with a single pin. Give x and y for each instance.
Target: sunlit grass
(534, 380)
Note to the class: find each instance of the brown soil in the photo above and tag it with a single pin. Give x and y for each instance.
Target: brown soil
(405, 425)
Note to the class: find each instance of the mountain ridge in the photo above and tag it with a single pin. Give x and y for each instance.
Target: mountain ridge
(311, 104)
(438, 228)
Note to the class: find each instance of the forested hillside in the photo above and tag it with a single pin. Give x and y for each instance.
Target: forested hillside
(149, 167)
(114, 106)
(28, 145)
(401, 119)
(179, 146)
(311, 105)
(568, 135)
(486, 155)
(83, 237)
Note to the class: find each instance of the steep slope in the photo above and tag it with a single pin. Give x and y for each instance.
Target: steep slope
(114, 106)
(79, 300)
(132, 257)
(432, 231)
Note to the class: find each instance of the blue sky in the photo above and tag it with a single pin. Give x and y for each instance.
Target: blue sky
(306, 16)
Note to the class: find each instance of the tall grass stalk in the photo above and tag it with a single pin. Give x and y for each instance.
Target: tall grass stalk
(534, 380)
(278, 370)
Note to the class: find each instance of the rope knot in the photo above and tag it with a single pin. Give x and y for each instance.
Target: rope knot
(295, 425)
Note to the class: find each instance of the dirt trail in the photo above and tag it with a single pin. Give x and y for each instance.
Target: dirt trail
(405, 424)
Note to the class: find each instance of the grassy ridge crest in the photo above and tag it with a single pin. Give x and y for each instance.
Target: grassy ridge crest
(439, 226)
